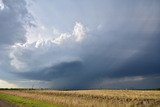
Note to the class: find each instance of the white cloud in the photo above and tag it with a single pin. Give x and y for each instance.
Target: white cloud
(63, 37)
(5, 84)
(79, 32)
(17, 63)
(41, 36)
(43, 48)
(1, 5)
(39, 43)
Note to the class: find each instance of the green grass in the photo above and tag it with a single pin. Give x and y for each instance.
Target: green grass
(20, 101)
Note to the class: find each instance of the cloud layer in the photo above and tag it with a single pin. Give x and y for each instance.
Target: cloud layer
(103, 44)
(13, 20)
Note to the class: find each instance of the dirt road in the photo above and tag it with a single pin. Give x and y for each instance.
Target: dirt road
(6, 104)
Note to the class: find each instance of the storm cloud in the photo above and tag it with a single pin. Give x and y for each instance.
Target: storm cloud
(107, 44)
(13, 18)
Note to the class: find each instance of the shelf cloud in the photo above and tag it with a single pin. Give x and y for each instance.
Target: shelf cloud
(80, 44)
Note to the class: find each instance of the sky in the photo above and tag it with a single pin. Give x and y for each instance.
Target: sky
(80, 44)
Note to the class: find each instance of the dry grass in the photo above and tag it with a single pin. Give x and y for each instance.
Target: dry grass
(93, 98)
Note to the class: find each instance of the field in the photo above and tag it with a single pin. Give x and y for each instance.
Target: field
(82, 98)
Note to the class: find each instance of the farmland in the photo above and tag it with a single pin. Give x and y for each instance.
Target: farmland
(86, 98)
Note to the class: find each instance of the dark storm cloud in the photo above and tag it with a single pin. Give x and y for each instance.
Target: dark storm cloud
(97, 66)
(127, 46)
(124, 49)
(144, 63)
(13, 18)
(65, 69)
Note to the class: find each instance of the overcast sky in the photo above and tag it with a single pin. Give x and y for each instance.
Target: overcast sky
(80, 44)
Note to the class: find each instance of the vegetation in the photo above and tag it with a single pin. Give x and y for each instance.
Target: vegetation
(20, 101)
(90, 98)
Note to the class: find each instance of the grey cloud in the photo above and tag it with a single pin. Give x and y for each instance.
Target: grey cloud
(13, 18)
(146, 62)
(64, 69)
(126, 46)
(100, 62)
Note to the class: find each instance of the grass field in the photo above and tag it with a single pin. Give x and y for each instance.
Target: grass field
(83, 98)
(20, 101)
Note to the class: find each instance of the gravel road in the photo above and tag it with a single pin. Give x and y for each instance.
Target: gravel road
(6, 104)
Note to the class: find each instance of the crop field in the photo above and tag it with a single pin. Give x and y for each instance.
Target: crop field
(82, 98)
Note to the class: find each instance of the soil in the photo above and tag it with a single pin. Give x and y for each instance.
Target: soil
(6, 104)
